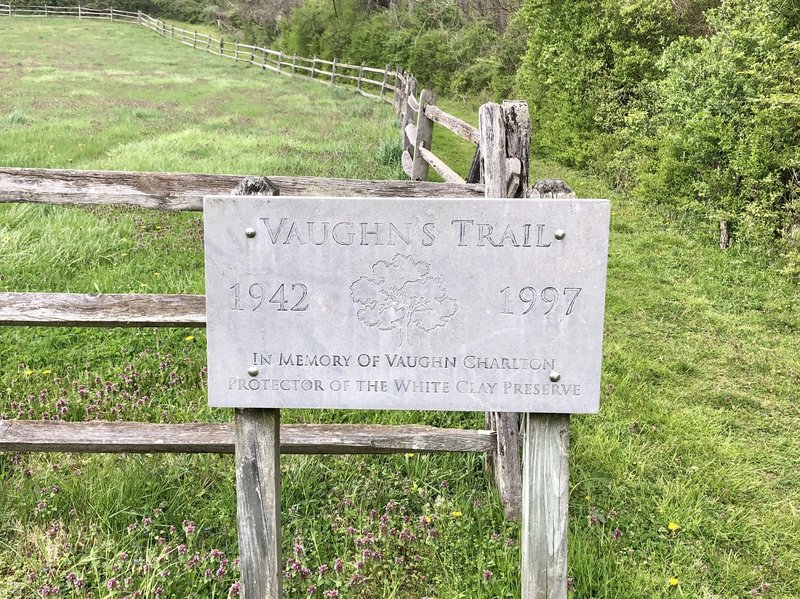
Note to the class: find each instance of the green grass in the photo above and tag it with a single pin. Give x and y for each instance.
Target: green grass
(701, 367)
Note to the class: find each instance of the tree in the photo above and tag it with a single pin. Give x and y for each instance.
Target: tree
(402, 295)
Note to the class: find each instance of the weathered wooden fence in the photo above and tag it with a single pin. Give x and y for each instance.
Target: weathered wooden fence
(500, 169)
(417, 111)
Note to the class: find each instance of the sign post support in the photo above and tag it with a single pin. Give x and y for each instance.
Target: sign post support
(407, 304)
(258, 480)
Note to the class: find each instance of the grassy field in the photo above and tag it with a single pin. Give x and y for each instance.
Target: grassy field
(685, 485)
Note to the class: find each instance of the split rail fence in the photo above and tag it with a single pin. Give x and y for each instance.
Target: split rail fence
(417, 112)
(500, 169)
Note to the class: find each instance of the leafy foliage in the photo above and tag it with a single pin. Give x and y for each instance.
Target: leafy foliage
(692, 103)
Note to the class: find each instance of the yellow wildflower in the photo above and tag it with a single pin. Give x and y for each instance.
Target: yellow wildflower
(409, 455)
(46, 371)
(189, 338)
(28, 372)
(673, 526)
(673, 582)
(457, 514)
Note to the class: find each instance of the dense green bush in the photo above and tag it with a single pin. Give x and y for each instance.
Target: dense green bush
(448, 53)
(694, 103)
(727, 132)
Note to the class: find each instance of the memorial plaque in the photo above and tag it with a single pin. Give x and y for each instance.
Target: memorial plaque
(405, 304)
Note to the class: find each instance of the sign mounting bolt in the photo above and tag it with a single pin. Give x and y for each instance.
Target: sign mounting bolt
(253, 371)
(560, 234)
(250, 232)
(555, 377)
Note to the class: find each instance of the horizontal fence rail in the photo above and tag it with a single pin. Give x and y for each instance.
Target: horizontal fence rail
(108, 310)
(200, 437)
(184, 191)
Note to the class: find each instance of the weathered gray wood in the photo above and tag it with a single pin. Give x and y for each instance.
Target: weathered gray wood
(258, 476)
(333, 72)
(507, 464)
(550, 188)
(518, 143)
(545, 506)
(423, 136)
(314, 67)
(360, 77)
(397, 92)
(385, 79)
(411, 135)
(294, 63)
(258, 502)
(495, 171)
(456, 125)
(106, 310)
(514, 172)
(203, 437)
(184, 191)
(448, 174)
(493, 149)
(413, 103)
(410, 91)
(724, 235)
(408, 163)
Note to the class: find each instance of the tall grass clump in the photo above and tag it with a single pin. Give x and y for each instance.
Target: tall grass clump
(18, 117)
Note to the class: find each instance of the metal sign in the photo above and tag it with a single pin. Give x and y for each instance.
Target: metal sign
(405, 304)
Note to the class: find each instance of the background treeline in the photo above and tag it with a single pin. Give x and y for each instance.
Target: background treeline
(691, 103)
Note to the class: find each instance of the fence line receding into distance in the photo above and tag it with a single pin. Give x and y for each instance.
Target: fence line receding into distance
(417, 113)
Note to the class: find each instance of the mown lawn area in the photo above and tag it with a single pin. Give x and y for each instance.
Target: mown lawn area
(686, 484)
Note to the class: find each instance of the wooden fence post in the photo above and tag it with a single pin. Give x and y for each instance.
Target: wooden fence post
(499, 132)
(80, 14)
(194, 40)
(360, 76)
(410, 90)
(385, 78)
(111, 13)
(258, 480)
(280, 60)
(258, 513)
(294, 62)
(139, 17)
(314, 66)
(221, 47)
(419, 169)
(172, 32)
(505, 164)
(236, 52)
(263, 59)
(545, 506)
(45, 11)
(333, 72)
(397, 96)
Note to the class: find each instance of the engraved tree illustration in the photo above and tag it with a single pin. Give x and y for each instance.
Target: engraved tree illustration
(402, 295)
